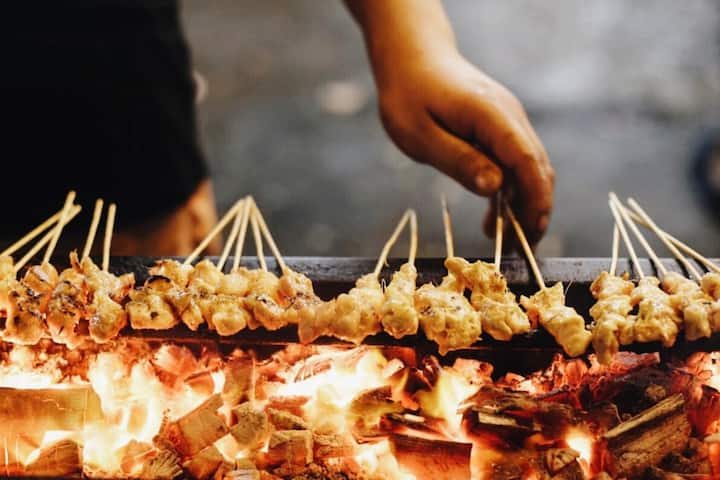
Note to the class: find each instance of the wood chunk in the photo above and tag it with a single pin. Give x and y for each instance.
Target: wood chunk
(201, 383)
(557, 459)
(164, 466)
(294, 447)
(244, 470)
(645, 439)
(252, 427)
(32, 412)
(196, 430)
(286, 421)
(60, 459)
(203, 464)
(331, 446)
(432, 459)
(239, 374)
(292, 404)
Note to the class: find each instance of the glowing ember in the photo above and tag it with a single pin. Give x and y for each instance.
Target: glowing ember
(582, 443)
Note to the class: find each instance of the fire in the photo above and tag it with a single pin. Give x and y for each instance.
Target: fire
(582, 443)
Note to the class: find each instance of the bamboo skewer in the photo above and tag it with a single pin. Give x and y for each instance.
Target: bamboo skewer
(258, 242)
(231, 238)
(615, 250)
(526, 247)
(245, 212)
(93, 228)
(499, 226)
(638, 234)
(447, 224)
(389, 244)
(109, 225)
(680, 257)
(269, 238)
(69, 199)
(413, 237)
(229, 215)
(626, 238)
(32, 234)
(683, 247)
(44, 241)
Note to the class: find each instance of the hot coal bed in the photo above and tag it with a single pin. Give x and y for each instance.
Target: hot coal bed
(258, 405)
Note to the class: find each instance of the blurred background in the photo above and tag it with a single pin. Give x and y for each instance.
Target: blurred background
(621, 93)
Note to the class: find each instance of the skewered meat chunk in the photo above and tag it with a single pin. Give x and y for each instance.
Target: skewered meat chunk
(178, 272)
(235, 283)
(6, 267)
(446, 316)
(205, 278)
(149, 309)
(689, 299)
(682, 290)
(399, 317)
(710, 283)
(657, 320)
(225, 313)
(562, 322)
(31, 296)
(612, 326)
(264, 301)
(501, 315)
(296, 291)
(67, 307)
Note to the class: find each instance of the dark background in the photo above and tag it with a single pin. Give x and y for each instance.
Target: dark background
(619, 91)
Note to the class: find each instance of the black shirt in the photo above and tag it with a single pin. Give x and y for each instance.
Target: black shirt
(96, 96)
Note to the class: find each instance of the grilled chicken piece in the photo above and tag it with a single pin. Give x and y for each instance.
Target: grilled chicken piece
(7, 265)
(446, 316)
(177, 272)
(205, 278)
(297, 293)
(31, 296)
(67, 307)
(148, 307)
(657, 320)
(264, 301)
(710, 283)
(562, 322)
(501, 315)
(224, 313)
(399, 317)
(690, 301)
(613, 326)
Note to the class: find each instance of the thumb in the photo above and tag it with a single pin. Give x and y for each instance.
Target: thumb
(461, 161)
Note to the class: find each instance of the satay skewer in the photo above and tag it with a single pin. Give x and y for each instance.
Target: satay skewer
(615, 250)
(231, 237)
(269, 238)
(526, 247)
(32, 234)
(109, 225)
(44, 241)
(240, 242)
(413, 238)
(688, 266)
(620, 224)
(69, 199)
(258, 241)
(447, 227)
(499, 226)
(638, 234)
(229, 215)
(97, 213)
(389, 244)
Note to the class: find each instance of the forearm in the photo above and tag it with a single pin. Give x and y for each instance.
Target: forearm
(395, 29)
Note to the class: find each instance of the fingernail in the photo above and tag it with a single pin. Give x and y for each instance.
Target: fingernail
(486, 183)
(543, 222)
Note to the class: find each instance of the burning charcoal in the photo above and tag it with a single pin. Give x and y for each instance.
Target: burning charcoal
(474, 371)
(201, 383)
(196, 430)
(252, 427)
(244, 470)
(165, 466)
(294, 447)
(557, 459)
(432, 459)
(501, 430)
(331, 446)
(602, 476)
(292, 404)
(644, 440)
(693, 460)
(239, 374)
(285, 420)
(205, 463)
(654, 473)
(602, 417)
(59, 459)
(136, 454)
(367, 408)
(655, 393)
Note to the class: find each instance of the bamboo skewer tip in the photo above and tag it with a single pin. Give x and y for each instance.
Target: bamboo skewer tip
(526, 247)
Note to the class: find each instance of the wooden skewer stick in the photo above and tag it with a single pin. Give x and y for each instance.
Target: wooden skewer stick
(231, 238)
(69, 199)
(413, 237)
(389, 244)
(43, 241)
(269, 238)
(626, 238)
(683, 247)
(31, 234)
(638, 234)
(615, 250)
(109, 225)
(680, 257)
(499, 226)
(243, 231)
(447, 224)
(258, 240)
(526, 247)
(93, 228)
(229, 215)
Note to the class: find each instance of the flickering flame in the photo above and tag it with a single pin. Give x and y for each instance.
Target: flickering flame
(582, 443)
